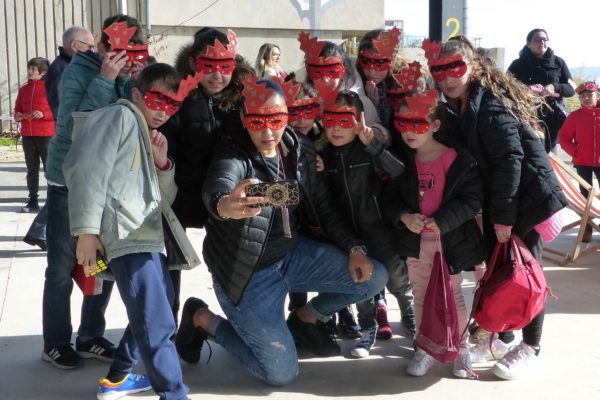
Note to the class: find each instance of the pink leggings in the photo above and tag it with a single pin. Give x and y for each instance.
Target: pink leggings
(419, 271)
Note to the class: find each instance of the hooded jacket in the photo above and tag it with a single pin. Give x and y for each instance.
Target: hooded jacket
(81, 88)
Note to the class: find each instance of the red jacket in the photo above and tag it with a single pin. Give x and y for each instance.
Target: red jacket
(580, 136)
(32, 97)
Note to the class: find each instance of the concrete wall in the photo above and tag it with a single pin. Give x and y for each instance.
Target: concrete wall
(258, 21)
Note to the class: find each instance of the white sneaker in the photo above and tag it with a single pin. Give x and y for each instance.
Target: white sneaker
(420, 363)
(462, 365)
(365, 344)
(516, 363)
(483, 352)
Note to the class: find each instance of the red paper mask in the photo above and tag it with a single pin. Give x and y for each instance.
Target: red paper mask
(160, 102)
(453, 69)
(418, 126)
(118, 38)
(343, 118)
(258, 122)
(159, 99)
(333, 71)
(368, 60)
(210, 65)
(419, 107)
(304, 109)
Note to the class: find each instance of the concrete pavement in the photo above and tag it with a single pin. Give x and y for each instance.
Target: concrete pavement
(569, 364)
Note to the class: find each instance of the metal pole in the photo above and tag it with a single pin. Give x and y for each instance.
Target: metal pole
(148, 19)
(123, 7)
(466, 18)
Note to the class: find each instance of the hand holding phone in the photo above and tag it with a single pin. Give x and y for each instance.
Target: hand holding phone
(282, 193)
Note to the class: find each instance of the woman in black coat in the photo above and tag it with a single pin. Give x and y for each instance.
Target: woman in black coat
(493, 114)
(548, 75)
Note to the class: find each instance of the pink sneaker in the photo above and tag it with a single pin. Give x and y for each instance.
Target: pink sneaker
(385, 330)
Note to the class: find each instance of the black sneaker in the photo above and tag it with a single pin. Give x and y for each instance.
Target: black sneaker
(30, 240)
(189, 339)
(347, 326)
(313, 337)
(30, 207)
(62, 357)
(99, 348)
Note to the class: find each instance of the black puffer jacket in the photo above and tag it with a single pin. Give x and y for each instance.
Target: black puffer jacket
(520, 187)
(192, 134)
(462, 241)
(232, 248)
(546, 70)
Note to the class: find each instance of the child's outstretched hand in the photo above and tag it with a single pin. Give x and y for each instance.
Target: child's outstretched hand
(365, 134)
(159, 148)
(112, 63)
(414, 222)
(87, 246)
(372, 93)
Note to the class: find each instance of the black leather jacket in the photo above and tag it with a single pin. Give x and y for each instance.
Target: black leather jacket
(356, 175)
(232, 248)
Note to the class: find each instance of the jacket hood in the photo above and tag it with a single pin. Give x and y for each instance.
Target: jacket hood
(87, 59)
(182, 64)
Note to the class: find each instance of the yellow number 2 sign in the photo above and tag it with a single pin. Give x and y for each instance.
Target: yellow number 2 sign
(456, 23)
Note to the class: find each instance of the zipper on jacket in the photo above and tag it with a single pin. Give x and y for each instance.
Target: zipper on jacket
(377, 207)
(212, 114)
(344, 177)
(31, 110)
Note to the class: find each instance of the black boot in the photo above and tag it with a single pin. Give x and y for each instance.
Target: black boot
(31, 206)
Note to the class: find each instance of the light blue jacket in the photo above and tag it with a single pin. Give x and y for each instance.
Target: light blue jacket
(114, 187)
(81, 88)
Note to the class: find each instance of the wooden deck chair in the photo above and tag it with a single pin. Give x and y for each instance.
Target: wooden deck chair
(584, 208)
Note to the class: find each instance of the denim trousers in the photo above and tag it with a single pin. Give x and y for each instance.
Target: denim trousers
(58, 285)
(256, 331)
(147, 292)
(586, 173)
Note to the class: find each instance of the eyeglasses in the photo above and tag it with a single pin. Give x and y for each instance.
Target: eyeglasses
(540, 40)
(90, 46)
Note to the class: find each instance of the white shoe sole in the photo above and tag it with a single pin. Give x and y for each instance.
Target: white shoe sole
(502, 374)
(47, 358)
(117, 395)
(87, 355)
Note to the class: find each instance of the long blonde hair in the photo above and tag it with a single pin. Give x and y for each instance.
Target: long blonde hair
(263, 57)
(519, 101)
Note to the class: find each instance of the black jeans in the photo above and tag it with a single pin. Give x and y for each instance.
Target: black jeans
(586, 173)
(35, 149)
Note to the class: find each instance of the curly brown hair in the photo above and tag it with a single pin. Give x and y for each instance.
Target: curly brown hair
(519, 101)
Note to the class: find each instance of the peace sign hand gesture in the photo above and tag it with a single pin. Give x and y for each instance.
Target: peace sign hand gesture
(365, 134)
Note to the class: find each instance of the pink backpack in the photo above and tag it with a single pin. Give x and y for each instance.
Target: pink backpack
(512, 292)
(438, 331)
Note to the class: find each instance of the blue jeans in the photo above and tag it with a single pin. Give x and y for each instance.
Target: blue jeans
(37, 230)
(256, 332)
(59, 284)
(146, 289)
